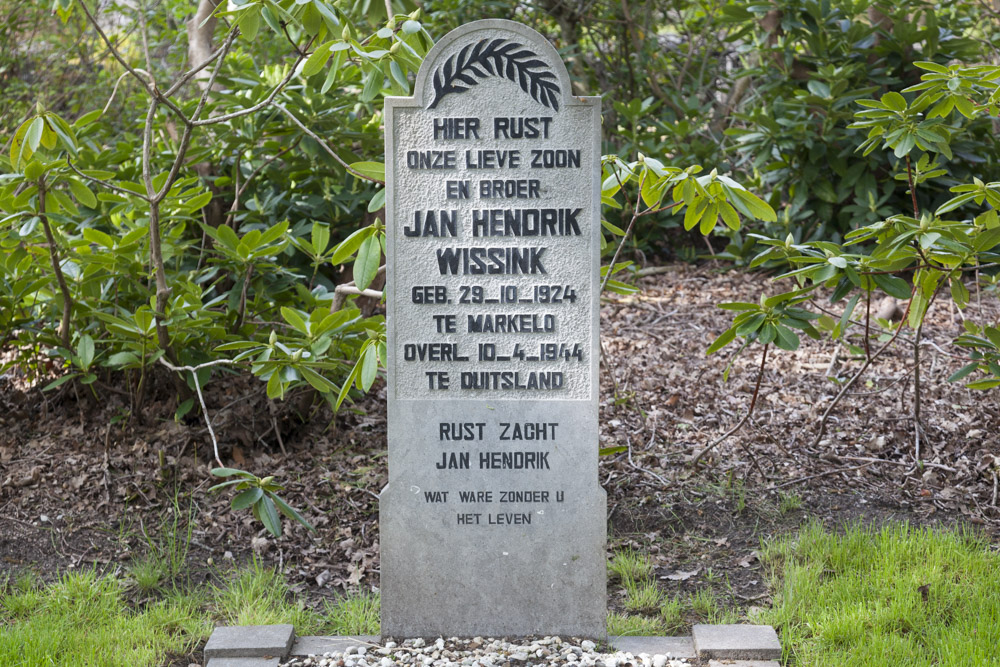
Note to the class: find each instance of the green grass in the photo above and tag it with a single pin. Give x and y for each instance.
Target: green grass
(83, 619)
(900, 596)
(788, 502)
(644, 596)
(630, 566)
(631, 625)
(86, 619)
(355, 614)
(257, 595)
(672, 616)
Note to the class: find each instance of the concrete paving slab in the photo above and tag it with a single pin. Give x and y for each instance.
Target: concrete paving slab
(736, 642)
(315, 645)
(675, 647)
(243, 662)
(743, 663)
(250, 641)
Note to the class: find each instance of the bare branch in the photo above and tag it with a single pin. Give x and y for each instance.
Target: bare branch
(241, 188)
(312, 135)
(189, 126)
(147, 82)
(746, 417)
(56, 266)
(201, 399)
(260, 105)
(105, 184)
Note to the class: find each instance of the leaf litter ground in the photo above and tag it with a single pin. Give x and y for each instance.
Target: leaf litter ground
(79, 487)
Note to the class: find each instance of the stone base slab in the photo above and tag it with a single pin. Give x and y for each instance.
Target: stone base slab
(721, 645)
(316, 645)
(249, 641)
(673, 647)
(243, 662)
(736, 642)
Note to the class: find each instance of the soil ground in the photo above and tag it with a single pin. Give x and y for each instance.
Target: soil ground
(79, 485)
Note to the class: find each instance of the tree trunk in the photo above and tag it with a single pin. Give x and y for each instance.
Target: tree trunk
(200, 30)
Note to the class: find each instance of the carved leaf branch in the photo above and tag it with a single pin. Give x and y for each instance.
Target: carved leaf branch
(497, 57)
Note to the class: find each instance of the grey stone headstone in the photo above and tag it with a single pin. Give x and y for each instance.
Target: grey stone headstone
(493, 519)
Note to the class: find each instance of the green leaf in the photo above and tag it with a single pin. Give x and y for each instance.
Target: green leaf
(369, 367)
(346, 387)
(59, 381)
(17, 146)
(892, 285)
(767, 333)
(730, 216)
(723, 340)
(123, 359)
(931, 66)
(199, 202)
(894, 101)
(987, 240)
(295, 319)
(269, 515)
(275, 388)
(315, 62)
(34, 134)
(85, 351)
(247, 498)
(367, 262)
(984, 384)
(959, 292)
(320, 238)
(287, 510)
(837, 261)
(963, 371)
(611, 451)
(848, 312)
(751, 325)
(183, 409)
(787, 340)
(759, 209)
(349, 246)
(377, 201)
(229, 472)
(82, 193)
(373, 84)
(249, 23)
(372, 170)
(317, 381)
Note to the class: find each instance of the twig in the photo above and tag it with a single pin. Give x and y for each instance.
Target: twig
(822, 474)
(67, 308)
(925, 464)
(242, 187)
(641, 469)
(106, 184)
(628, 232)
(854, 378)
(746, 417)
(260, 105)
(325, 146)
(201, 399)
(341, 292)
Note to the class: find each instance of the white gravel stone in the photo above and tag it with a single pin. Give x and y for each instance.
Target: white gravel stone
(488, 652)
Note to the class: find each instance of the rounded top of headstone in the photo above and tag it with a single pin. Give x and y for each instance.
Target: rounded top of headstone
(493, 49)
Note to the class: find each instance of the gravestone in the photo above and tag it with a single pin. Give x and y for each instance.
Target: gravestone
(493, 520)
